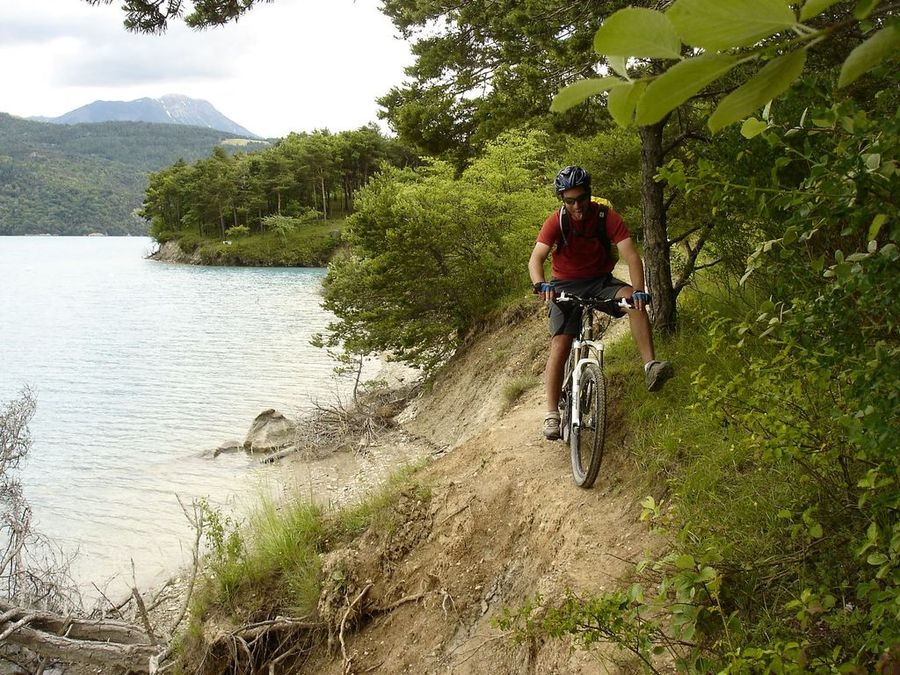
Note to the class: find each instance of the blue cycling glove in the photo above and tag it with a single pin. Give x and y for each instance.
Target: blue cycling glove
(641, 296)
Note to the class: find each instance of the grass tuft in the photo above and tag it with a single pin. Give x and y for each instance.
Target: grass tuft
(376, 508)
(512, 391)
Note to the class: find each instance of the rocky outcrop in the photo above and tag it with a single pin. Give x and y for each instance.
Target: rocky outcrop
(170, 251)
(269, 432)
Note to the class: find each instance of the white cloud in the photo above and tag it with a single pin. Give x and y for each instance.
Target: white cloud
(292, 65)
(139, 62)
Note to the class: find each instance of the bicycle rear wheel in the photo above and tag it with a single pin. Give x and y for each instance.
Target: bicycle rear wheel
(587, 438)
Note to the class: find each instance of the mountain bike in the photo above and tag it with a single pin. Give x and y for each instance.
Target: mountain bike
(582, 402)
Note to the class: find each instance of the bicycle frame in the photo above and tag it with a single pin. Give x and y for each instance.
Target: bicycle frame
(584, 346)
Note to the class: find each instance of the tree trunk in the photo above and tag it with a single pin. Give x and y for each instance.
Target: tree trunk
(324, 200)
(657, 267)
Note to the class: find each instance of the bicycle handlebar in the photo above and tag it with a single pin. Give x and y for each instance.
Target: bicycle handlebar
(596, 303)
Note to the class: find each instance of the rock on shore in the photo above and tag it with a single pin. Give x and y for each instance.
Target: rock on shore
(270, 431)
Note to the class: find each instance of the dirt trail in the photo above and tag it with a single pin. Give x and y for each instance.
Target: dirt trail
(504, 522)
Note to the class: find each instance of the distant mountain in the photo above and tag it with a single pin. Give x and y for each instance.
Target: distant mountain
(169, 109)
(83, 178)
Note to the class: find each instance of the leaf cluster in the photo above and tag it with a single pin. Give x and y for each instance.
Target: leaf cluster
(153, 16)
(708, 39)
(823, 397)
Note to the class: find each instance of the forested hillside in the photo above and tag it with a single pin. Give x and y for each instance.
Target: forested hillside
(300, 179)
(62, 179)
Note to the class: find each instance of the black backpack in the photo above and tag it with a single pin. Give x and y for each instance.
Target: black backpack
(565, 227)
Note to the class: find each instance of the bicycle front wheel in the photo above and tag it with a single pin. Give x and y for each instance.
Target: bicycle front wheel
(587, 438)
(565, 401)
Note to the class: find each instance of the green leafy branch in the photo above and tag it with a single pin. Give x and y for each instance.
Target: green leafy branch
(717, 36)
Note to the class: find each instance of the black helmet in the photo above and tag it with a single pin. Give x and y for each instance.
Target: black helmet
(572, 177)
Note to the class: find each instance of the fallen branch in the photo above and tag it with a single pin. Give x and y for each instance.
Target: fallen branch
(97, 642)
(116, 608)
(196, 522)
(335, 425)
(16, 626)
(455, 513)
(273, 457)
(142, 610)
(78, 628)
(135, 657)
(274, 662)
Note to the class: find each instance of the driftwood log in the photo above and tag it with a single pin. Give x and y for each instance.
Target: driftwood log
(98, 642)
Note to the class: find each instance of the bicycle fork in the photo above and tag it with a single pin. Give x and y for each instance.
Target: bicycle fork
(597, 348)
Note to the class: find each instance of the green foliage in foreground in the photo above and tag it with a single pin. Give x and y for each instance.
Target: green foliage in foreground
(777, 442)
(728, 34)
(306, 245)
(779, 561)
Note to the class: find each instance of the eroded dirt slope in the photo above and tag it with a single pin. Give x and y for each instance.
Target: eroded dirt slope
(504, 523)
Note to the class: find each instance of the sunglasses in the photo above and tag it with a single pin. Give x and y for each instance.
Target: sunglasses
(583, 197)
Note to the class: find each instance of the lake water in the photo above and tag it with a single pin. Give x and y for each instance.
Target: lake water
(139, 367)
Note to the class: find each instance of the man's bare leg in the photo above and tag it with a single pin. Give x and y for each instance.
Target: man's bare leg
(656, 372)
(556, 363)
(553, 374)
(640, 328)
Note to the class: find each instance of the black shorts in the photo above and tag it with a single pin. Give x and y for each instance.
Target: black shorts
(566, 319)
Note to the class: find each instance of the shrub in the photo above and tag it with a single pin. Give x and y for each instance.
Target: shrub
(432, 254)
(237, 231)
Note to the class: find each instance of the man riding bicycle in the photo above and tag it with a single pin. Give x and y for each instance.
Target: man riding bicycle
(583, 232)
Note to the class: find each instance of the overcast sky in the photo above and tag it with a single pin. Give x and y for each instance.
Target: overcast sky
(292, 65)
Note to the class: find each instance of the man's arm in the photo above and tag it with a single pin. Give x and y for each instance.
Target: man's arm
(536, 266)
(632, 258)
(536, 262)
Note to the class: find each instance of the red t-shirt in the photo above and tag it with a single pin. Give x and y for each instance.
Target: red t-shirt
(584, 256)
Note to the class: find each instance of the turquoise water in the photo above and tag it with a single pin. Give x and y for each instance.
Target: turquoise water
(139, 367)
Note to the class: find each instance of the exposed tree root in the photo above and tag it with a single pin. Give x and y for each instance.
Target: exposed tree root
(338, 425)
